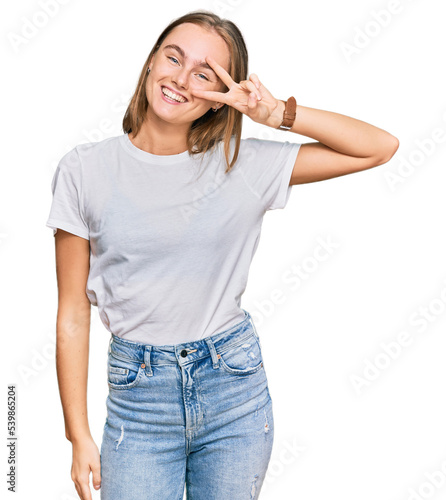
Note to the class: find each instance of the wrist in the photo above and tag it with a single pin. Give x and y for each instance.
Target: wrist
(79, 437)
(276, 117)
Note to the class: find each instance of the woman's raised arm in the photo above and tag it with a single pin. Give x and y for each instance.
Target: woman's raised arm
(345, 144)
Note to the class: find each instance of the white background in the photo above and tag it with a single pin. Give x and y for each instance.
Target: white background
(67, 81)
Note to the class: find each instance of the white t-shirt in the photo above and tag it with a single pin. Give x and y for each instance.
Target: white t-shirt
(171, 237)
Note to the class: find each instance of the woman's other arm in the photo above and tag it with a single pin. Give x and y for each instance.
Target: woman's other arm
(72, 353)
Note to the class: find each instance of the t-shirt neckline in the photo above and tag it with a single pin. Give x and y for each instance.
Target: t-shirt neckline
(149, 157)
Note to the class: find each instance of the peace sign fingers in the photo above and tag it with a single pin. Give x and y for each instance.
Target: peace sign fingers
(211, 95)
(229, 82)
(249, 85)
(248, 96)
(220, 72)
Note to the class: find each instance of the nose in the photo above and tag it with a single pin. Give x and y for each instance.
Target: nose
(181, 78)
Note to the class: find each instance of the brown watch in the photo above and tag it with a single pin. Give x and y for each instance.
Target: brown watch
(289, 114)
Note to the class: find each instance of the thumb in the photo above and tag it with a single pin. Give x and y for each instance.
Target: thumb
(96, 476)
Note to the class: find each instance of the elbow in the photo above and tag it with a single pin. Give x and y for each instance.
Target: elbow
(70, 328)
(389, 150)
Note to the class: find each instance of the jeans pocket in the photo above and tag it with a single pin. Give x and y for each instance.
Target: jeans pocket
(122, 373)
(242, 357)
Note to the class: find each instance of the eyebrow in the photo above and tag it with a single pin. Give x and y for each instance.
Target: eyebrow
(201, 64)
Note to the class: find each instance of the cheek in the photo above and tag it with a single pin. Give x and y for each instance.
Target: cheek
(199, 84)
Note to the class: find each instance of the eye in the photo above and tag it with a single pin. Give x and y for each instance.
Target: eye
(203, 77)
(173, 59)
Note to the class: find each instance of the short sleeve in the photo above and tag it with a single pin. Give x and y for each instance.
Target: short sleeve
(66, 209)
(267, 167)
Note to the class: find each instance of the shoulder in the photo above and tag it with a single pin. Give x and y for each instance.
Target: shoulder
(73, 161)
(263, 150)
(247, 145)
(262, 144)
(87, 150)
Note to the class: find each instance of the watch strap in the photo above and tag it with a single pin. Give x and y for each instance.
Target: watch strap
(289, 114)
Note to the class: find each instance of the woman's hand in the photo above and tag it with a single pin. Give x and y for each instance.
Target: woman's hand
(250, 97)
(86, 459)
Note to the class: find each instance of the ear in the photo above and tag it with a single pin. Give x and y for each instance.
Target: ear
(151, 62)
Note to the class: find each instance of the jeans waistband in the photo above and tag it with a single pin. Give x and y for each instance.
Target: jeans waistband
(185, 352)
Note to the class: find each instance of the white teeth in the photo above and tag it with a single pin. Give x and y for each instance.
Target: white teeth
(173, 96)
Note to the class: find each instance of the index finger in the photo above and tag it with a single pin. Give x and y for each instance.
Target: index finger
(85, 490)
(210, 95)
(221, 72)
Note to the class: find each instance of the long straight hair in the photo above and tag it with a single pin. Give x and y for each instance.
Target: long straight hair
(211, 128)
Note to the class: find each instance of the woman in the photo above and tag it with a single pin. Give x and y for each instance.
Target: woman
(157, 227)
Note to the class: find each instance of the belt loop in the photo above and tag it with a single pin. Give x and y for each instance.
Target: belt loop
(109, 343)
(254, 328)
(213, 352)
(246, 313)
(147, 353)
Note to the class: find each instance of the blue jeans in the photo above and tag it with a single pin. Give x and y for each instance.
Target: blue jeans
(197, 414)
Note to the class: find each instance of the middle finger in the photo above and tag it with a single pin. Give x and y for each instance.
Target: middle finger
(250, 86)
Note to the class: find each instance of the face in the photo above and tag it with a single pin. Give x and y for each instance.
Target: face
(178, 67)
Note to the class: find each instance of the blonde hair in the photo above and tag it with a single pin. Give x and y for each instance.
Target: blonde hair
(211, 128)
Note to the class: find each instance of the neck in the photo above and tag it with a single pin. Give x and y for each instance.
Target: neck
(161, 138)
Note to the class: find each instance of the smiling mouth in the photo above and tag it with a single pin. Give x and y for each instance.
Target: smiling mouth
(172, 96)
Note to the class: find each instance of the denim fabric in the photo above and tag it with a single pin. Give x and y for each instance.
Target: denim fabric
(196, 414)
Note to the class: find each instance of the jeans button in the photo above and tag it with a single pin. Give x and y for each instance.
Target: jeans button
(183, 353)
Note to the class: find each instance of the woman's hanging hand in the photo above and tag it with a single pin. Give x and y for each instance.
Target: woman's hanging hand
(250, 97)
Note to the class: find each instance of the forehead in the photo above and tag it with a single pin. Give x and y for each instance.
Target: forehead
(198, 42)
